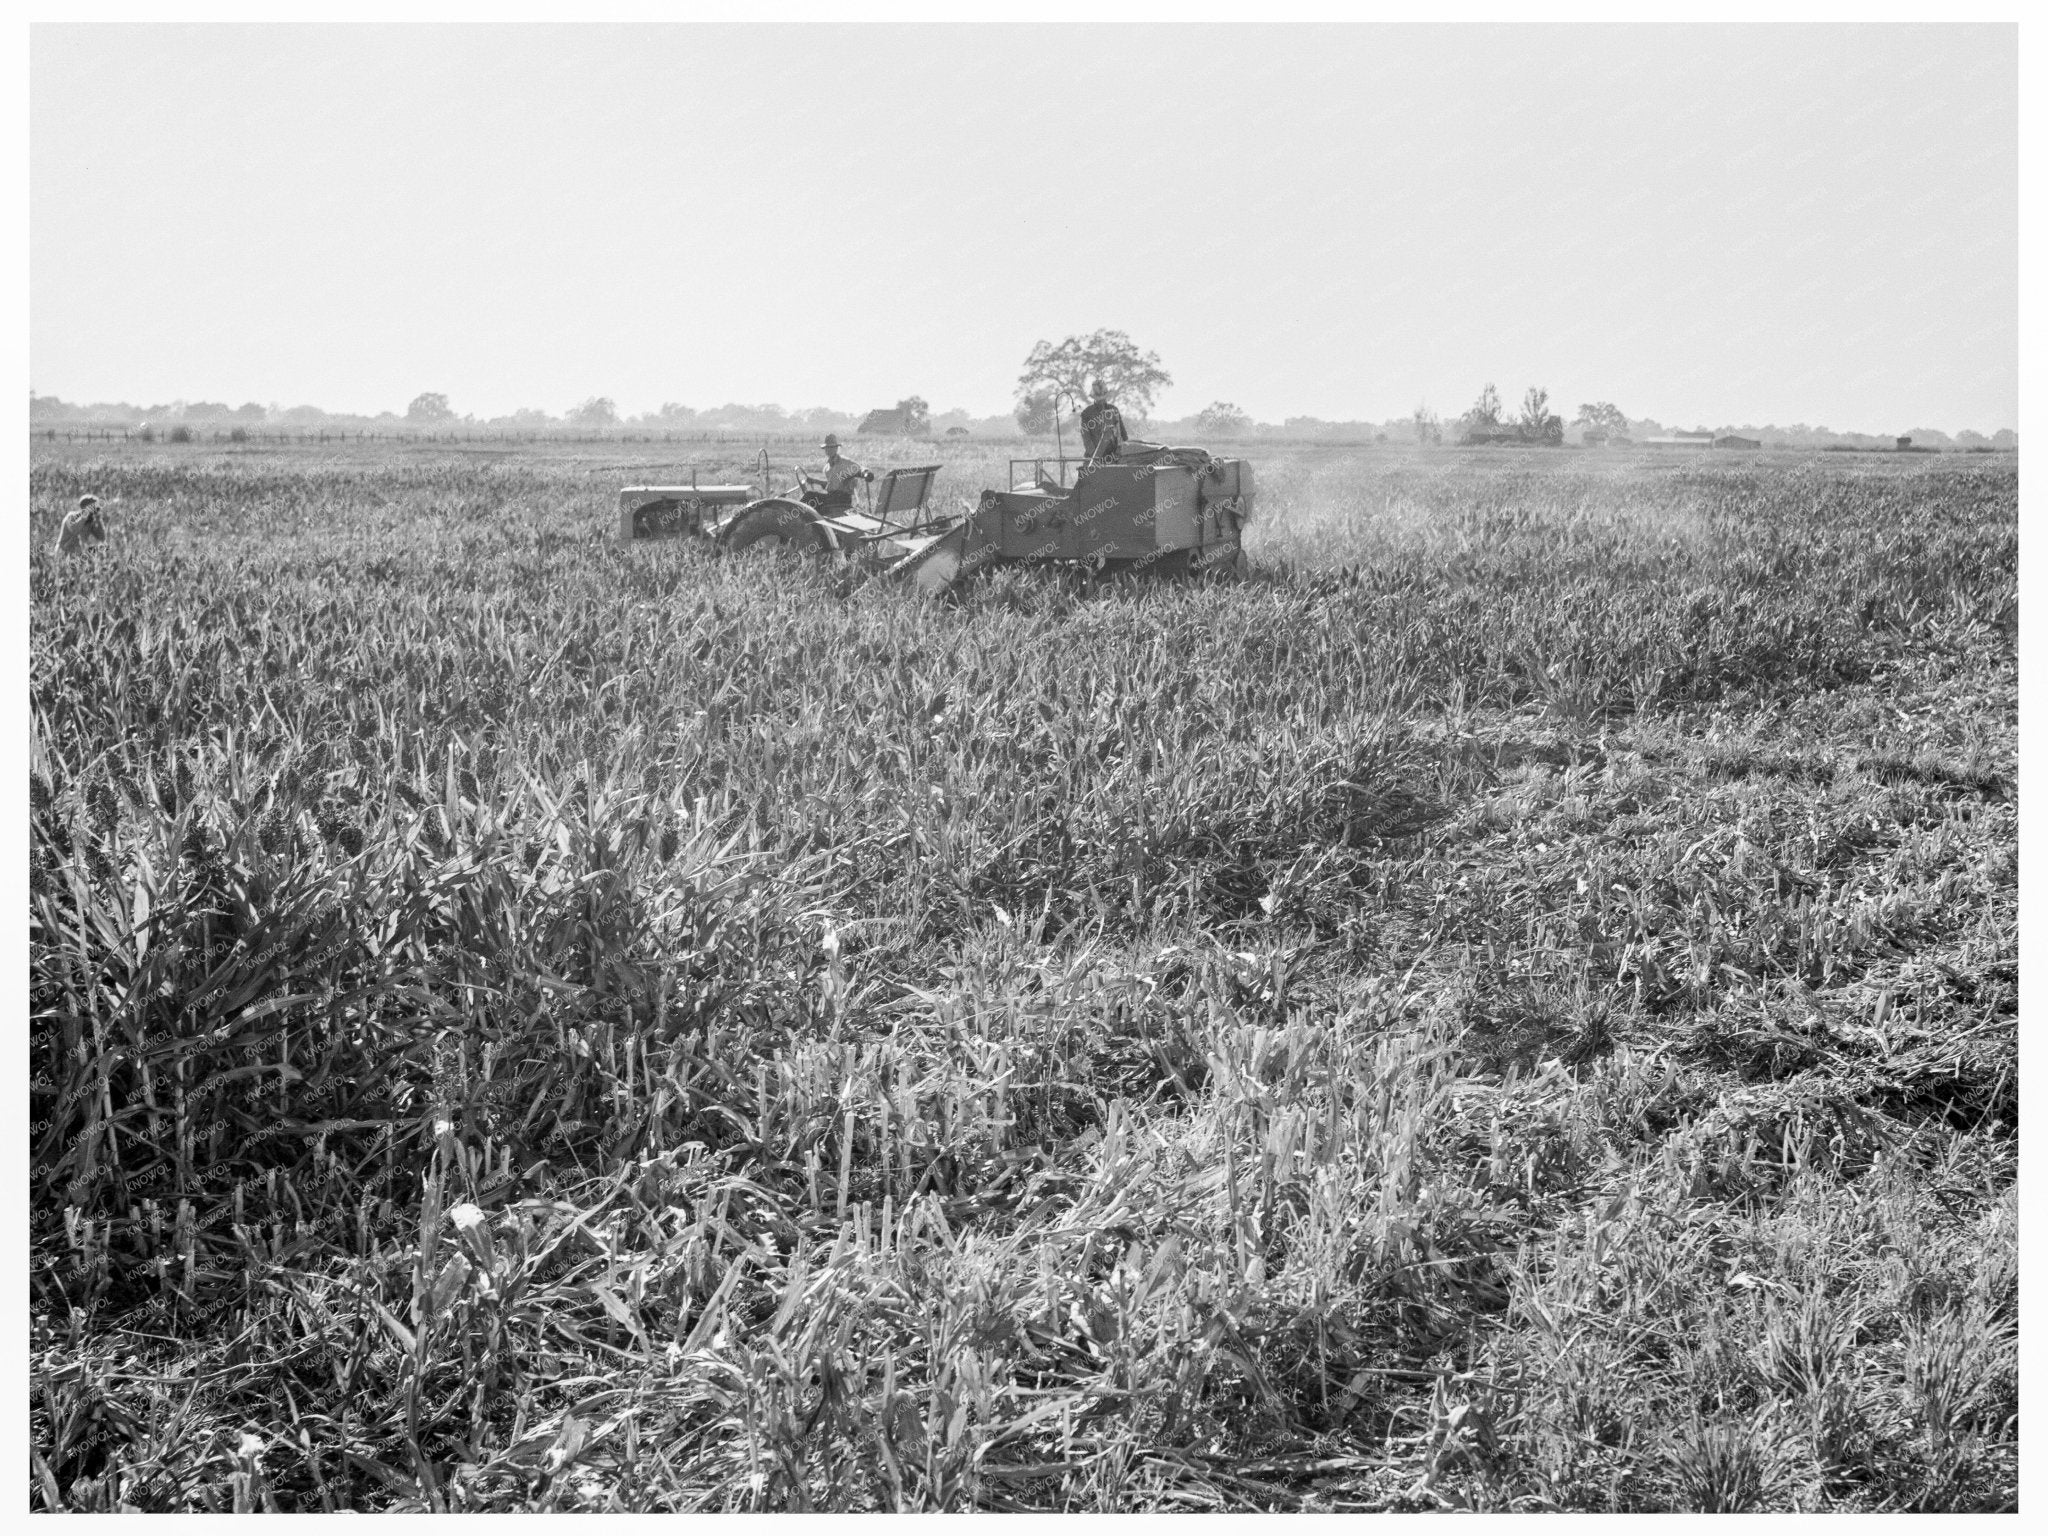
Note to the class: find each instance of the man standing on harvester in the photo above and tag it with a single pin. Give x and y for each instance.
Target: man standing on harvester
(838, 477)
(1102, 426)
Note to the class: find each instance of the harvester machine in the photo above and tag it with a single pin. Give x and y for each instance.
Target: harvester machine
(1148, 511)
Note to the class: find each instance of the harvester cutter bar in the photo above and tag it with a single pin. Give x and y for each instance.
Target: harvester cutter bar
(934, 560)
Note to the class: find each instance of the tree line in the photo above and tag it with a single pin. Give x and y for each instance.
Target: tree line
(1055, 378)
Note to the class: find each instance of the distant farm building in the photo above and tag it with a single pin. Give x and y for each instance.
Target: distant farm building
(1730, 440)
(1549, 435)
(1905, 442)
(892, 423)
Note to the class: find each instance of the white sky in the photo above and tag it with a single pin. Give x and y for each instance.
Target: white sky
(1761, 224)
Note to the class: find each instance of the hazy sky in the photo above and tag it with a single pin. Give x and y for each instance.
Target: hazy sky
(1702, 224)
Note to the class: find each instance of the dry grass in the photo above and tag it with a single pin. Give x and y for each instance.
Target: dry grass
(1513, 1006)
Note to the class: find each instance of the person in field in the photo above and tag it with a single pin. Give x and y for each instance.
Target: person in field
(838, 477)
(1102, 426)
(81, 527)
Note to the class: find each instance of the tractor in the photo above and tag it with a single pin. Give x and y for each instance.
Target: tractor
(1146, 510)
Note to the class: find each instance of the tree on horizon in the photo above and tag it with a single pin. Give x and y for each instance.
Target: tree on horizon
(1064, 370)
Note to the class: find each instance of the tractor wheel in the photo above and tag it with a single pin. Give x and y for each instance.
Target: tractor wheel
(778, 525)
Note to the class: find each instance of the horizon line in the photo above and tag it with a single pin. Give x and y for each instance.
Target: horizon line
(770, 408)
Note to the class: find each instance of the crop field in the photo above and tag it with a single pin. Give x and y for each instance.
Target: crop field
(1511, 1005)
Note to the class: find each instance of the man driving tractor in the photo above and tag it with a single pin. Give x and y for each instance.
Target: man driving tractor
(837, 480)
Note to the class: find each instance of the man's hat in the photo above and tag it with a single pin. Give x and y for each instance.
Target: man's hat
(831, 440)
(1099, 390)
(87, 500)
